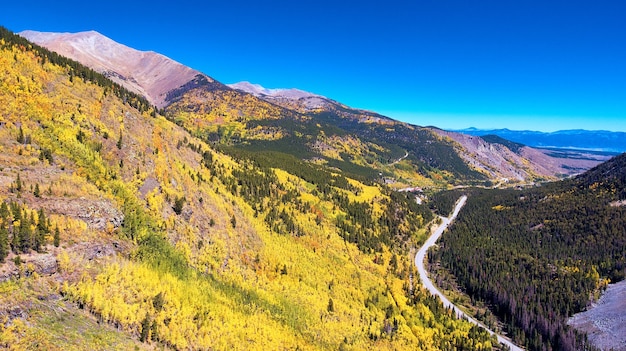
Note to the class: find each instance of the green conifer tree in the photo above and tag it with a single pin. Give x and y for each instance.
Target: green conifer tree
(25, 234)
(4, 212)
(179, 202)
(57, 237)
(18, 183)
(37, 240)
(4, 241)
(43, 222)
(20, 136)
(145, 329)
(119, 141)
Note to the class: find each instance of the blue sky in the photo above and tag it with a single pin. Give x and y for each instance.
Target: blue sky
(537, 65)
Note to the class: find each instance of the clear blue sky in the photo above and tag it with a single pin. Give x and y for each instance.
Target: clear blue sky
(538, 65)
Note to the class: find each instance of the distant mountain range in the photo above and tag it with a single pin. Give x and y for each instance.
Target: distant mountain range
(576, 139)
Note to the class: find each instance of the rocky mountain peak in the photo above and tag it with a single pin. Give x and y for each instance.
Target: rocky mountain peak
(145, 72)
(301, 100)
(260, 91)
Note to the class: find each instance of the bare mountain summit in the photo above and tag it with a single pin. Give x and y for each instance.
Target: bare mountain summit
(145, 72)
(305, 102)
(289, 98)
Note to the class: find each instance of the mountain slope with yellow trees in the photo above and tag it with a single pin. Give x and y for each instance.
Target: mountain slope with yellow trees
(121, 230)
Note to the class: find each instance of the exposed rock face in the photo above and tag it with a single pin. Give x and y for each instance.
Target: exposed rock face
(144, 72)
(96, 213)
(45, 263)
(148, 186)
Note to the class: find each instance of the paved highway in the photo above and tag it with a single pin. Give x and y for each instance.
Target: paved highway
(420, 258)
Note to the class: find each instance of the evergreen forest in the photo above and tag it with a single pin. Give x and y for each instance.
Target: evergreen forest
(541, 254)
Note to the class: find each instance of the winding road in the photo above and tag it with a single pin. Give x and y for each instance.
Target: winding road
(420, 258)
(406, 154)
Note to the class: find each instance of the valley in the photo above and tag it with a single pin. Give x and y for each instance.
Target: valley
(592, 143)
(539, 255)
(420, 259)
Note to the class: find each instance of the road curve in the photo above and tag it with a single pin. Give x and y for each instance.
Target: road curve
(420, 258)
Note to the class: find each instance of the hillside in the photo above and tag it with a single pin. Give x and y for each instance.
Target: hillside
(245, 117)
(538, 255)
(153, 238)
(504, 160)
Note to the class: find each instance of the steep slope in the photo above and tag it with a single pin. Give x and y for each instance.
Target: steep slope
(359, 143)
(166, 242)
(539, 255)
(144, 72)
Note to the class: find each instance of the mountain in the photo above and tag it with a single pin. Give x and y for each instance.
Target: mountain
(222, 220)
(577, 139)
(123, 229)
(539, 255)
(144, 72)
(271, 124)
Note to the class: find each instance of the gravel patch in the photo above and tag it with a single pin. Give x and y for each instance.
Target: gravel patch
(605, 321)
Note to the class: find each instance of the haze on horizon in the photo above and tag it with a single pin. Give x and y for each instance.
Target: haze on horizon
(450, 64)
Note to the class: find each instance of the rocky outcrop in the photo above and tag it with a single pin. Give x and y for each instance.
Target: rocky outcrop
(96, 213)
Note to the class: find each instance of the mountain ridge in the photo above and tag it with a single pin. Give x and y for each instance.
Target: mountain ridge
(259, 90)
(307, 102)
